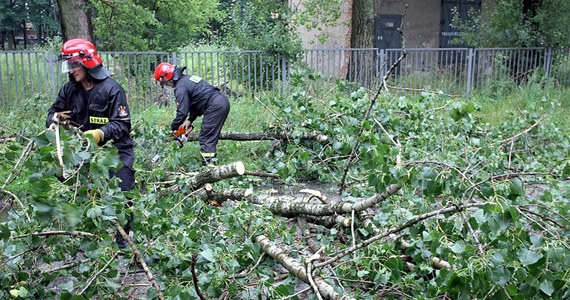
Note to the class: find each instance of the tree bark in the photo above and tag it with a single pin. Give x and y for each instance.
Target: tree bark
(362, 24)
(362, 36)
(75, 20)
(284, 205)
(263, 136)
(296, 268)
(209, 194)
(215, 174)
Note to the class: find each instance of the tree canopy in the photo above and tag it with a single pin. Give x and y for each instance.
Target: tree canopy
(153, 25)
(509, 24)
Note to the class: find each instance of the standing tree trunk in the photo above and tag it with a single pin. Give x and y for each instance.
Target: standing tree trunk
(75, 20)
(362, 36)
(362, 24)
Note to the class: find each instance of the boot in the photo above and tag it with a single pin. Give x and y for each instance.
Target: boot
(121, 242)
(209, 161)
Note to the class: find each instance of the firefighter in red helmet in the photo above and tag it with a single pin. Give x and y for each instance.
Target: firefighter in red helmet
(196, 97)
(97, 105)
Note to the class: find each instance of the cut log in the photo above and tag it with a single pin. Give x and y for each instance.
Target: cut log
(285, 206)
(208, 194)
(296, 268)
(215, 174)
(329, 221)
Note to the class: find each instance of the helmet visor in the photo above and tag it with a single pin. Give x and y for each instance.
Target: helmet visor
(70, 65)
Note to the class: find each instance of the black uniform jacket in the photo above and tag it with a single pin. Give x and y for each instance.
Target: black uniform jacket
(106, 109)
(192, 96)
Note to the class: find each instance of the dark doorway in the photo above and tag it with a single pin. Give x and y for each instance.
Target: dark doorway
(464, 8)
(386, 29)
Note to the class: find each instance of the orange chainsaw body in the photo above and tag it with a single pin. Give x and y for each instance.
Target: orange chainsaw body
(181, 134)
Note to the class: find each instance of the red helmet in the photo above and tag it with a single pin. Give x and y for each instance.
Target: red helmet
(83, 51)
(164, 72)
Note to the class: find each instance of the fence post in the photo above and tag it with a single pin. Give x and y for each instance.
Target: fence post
(2, 87)
(547, 62)
(174, 59)
(284, 71)
(470, 68)
(381, 60)
(52, 75)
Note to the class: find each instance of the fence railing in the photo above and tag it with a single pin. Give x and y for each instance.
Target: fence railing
(24, 74)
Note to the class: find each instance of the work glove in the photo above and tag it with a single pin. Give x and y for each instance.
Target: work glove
(188, 126)
(97, 134)
(52, 126)
(62, 117)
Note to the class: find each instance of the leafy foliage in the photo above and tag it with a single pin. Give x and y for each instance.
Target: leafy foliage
(152, 25)
(439, 150)
(509, 26)
(261, 25)
(442, 151)
(15, 13)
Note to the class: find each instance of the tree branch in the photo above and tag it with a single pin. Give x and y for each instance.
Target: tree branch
(295, 268)
(388, 232)
(139, 258)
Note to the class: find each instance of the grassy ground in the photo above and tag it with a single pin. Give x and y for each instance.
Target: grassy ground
(552, 102)
(253, 114)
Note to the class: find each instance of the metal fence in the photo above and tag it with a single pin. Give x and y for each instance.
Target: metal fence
(24, 74)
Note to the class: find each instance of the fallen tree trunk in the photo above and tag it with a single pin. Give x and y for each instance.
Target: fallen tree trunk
(209, 194)
(296, 268)
(284, 206)
(214, 174)
(234, 136)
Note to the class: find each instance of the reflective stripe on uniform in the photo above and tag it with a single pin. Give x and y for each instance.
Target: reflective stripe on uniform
(195, 78)
(207, 155)
(98, 120)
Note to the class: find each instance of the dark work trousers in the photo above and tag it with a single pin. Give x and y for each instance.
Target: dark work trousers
(212, 123)
(126, 173)
(127, 176)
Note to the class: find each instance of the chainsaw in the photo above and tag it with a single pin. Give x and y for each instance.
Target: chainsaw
(181, 134)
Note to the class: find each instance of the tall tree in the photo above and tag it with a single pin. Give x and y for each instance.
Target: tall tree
(261, 24)
(43, 15)
(361, 36)
(362, 24)
(153, 25)
(519, 23)
(75, 19)
(12, 13)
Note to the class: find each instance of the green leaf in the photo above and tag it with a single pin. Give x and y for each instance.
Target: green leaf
(458, 247)
(67, 286)
(208, 254)
(516, 188)
(284, 290)
(382, 277)
(479, 216)
(547, 287)
(566, 169)
(21, 292)
(4, 232)
(536, 240)
(362, 273)
(528, 257)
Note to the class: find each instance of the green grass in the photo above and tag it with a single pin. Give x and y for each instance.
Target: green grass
(550, 102)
